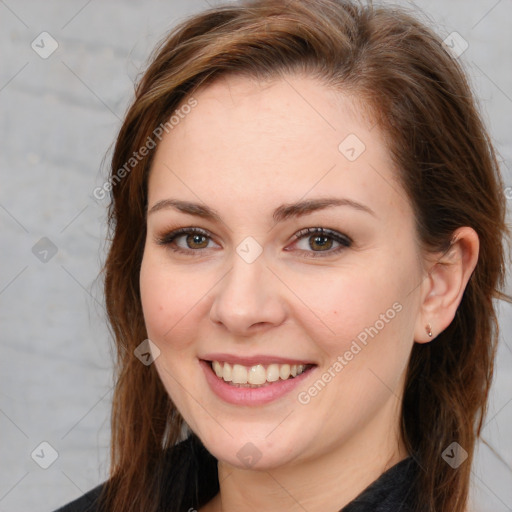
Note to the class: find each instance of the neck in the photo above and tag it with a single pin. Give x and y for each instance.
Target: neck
(328, 482)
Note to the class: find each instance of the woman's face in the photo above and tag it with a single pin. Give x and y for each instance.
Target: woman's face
(251, 292)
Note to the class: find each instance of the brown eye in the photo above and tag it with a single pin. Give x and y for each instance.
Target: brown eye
(320, 243)
(186, 240)
(315, 241)
(195, 241)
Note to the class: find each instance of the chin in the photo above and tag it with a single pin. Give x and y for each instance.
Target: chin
(255, 451)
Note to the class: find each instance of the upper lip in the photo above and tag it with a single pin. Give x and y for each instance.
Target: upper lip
(253, 360)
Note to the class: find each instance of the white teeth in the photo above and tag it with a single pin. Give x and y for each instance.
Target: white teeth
(239, 375)
(227, 372)
(273, 373)
(256, 375)
(217, 368)
(284, 371)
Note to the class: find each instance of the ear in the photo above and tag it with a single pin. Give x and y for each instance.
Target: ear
(444, 285)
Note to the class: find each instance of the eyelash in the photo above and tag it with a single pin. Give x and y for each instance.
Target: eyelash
(344, 241)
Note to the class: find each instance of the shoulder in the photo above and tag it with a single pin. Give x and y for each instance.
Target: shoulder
(86, 503)
(185, 473)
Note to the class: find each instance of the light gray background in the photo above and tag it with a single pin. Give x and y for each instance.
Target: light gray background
(58, 117)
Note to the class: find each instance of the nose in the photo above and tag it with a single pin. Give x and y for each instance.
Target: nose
(248, 299)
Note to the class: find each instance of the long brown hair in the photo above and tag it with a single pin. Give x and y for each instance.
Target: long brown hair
(418, 94)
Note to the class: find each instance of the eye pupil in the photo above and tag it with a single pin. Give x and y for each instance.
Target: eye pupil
(321, 242)
(197, 241)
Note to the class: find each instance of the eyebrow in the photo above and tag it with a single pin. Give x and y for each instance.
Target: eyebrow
(283, 212)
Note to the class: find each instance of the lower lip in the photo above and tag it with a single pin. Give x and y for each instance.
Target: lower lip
(251, 396)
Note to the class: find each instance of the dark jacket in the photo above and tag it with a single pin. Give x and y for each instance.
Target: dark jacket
(393, 491)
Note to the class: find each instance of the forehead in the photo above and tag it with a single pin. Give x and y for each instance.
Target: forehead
(281, 139)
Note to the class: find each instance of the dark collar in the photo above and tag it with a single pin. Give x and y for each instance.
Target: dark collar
(393, 491)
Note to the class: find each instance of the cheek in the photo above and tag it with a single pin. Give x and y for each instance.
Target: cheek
(169, 301)
(344, 305)
(371, 305)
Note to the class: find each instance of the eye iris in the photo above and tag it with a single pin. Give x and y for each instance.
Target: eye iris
(321, 242)
(196, 241)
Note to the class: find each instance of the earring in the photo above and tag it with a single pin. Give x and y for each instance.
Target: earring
(428, 328)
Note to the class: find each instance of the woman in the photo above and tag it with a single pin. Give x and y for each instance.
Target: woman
(307, 234)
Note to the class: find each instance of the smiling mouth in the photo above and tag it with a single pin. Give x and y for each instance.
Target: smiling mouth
(258, 375)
